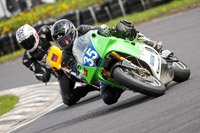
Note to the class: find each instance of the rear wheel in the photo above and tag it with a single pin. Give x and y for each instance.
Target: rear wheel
(146, 84)
(181, 71)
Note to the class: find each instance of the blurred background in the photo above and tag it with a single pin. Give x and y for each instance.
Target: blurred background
(9, 8)
(14, 13)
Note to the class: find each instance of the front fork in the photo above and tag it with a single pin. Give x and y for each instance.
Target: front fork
(127, 64)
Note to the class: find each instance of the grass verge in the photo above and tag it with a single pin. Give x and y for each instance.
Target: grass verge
(157, 12)
(42, 12)
(11, 57)
(7, 102)
(137, 18)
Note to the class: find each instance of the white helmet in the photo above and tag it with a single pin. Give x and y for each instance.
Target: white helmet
(27, 37)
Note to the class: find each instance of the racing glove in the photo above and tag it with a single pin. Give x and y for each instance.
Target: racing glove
(103, 30)
(47, 75)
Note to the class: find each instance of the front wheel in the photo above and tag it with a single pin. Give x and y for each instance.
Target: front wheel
(147, 85)
(181, 71)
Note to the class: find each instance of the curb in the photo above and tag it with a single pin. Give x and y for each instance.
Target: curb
(33, 101)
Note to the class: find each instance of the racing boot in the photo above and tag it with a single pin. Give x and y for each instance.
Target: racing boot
(157, 45)
(110, 95)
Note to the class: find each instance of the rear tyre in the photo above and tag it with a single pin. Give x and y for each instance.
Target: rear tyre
(149, 86)
(181, 71)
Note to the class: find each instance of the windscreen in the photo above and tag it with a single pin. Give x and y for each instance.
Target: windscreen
(80, 47)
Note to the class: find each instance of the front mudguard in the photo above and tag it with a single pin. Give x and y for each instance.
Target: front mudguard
(167, 73)
(124, 64)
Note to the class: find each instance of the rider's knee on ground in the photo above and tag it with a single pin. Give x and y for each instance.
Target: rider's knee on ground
(69, 100)
(73, 96)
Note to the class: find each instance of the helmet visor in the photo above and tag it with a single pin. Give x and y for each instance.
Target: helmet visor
(29, 42)
(66, 41)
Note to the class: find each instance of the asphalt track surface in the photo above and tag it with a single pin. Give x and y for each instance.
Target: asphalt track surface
(178, 111)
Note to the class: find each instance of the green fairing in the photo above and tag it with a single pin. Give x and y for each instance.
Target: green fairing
(105, 45)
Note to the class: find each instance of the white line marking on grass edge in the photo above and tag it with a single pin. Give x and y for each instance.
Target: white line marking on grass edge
(18, 89)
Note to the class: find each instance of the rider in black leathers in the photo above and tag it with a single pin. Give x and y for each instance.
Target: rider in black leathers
(65, 34)
(36, 46)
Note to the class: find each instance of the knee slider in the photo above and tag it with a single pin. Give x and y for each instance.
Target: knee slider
(68, 100)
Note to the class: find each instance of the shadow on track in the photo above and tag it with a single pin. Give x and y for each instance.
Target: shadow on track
(95, 97)
(83, 101)
(101, 111)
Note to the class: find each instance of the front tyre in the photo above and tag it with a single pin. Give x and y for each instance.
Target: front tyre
(181, 71)
(146, 85)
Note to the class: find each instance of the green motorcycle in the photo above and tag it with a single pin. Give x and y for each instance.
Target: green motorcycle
(126, 64)
(129, 65)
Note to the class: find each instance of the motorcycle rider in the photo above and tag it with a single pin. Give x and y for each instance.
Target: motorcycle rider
(65, 34)
(36, 46)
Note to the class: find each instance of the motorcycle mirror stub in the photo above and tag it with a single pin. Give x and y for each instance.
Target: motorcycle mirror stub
(133, 43)
(79, 67)
(93, 35)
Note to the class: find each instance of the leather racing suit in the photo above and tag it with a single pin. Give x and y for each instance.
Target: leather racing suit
(35, 61)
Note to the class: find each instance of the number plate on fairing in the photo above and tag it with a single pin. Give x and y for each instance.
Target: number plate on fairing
(151, 57)
(90, 57)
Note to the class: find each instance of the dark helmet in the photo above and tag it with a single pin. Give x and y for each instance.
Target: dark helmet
(125, 29)
(64, 33)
